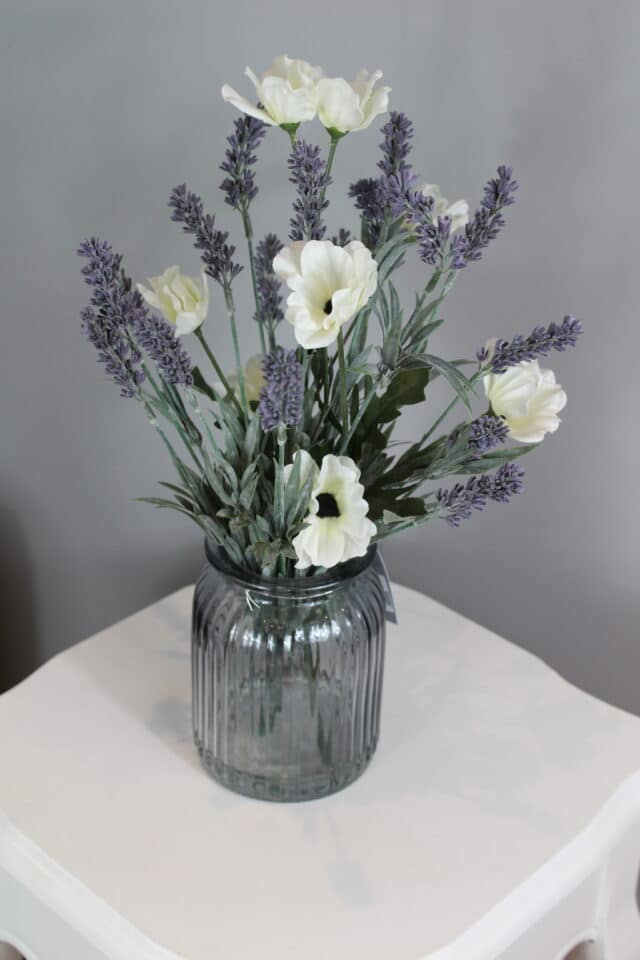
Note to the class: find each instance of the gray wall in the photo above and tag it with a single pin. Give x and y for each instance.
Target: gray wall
(104, 107)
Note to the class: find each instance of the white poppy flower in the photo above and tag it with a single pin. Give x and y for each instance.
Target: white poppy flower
(458, 212)
(328, 284)
(345, 107)
(287, 93)
(336, 527)
(528, 398)
(253, 379)
(183, 301)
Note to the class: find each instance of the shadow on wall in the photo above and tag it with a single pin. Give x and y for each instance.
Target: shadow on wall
(18, 622)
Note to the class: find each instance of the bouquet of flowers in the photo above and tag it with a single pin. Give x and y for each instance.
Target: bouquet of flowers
(287, 463)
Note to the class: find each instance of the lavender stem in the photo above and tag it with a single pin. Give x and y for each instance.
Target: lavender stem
(231, 313)
(248, 232)
(344, 408)
(218, 369)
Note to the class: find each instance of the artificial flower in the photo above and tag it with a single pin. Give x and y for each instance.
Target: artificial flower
(287, 93)
(253, 379)
(328, 284)
(345, 107)
(528, 398)
(458, 211)
(183, 301)
(336, 527)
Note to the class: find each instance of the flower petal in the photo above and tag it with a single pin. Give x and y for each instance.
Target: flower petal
(286, 264)
(339, 105)
(230, 95)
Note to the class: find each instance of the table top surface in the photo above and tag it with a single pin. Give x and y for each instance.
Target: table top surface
(488, 764)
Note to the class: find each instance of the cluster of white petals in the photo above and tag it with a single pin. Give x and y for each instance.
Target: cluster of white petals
(345, 107)
(287, 92)
(336, 527)
(458, 211)
(328, 285)
(182, 300)
(528, 398)
(292, 91)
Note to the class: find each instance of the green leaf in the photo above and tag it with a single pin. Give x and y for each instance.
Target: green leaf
(495, 459)
(433, 282)
(266, 553)
(165, 505)
(406, 388)
(251, 438)
(248, 492)
(301, 503)
(201, 384)
(450, 372)
(386, 501)
(292, 487)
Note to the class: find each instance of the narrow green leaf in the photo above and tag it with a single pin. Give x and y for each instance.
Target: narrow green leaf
(202, 386)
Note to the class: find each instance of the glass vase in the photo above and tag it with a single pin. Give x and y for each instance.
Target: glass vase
(287, 676)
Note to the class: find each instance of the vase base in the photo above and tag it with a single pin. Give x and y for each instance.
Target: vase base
(283, 789)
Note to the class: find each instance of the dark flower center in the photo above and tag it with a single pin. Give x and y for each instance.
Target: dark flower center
(327, 505)
(328, 307)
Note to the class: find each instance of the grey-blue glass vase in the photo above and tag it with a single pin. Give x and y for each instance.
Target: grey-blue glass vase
(287, 676)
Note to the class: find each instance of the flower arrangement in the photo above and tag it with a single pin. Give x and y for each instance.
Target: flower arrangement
(287, 463)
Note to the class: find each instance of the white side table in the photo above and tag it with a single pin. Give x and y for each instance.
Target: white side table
(499, 820)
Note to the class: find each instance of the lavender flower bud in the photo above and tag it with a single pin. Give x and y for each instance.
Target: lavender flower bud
(216, 253)
(309, 176)
(342, 238)
(487, 432)
(271, 312)
(157, 337)
(540, 342)
(458, 503)
(281, 396)
(107, 322)
(487, 221)
(396, 146)
(240, 156)
(377, 198)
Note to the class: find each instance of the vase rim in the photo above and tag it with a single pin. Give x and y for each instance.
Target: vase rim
(321, 582)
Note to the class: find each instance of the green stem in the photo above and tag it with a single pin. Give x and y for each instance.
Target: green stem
(248, 232)
(332, 152)
(231, 313)
(282, 444)
(218, 369)
(193, 400)
(448, 409)
(151, 416)
(368, 397)
(335, 138)
(344, 406)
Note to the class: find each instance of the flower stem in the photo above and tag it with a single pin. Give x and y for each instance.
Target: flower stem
(164, 407)
(344, 406)
(231, 313)
(248, 232)
(448, 410)
(193, 400)
(368, 397)
(332, 153)
(330, 158)
(282, 444)
(218, 369)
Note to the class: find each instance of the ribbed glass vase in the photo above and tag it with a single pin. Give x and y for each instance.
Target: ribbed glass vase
(287, 676)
